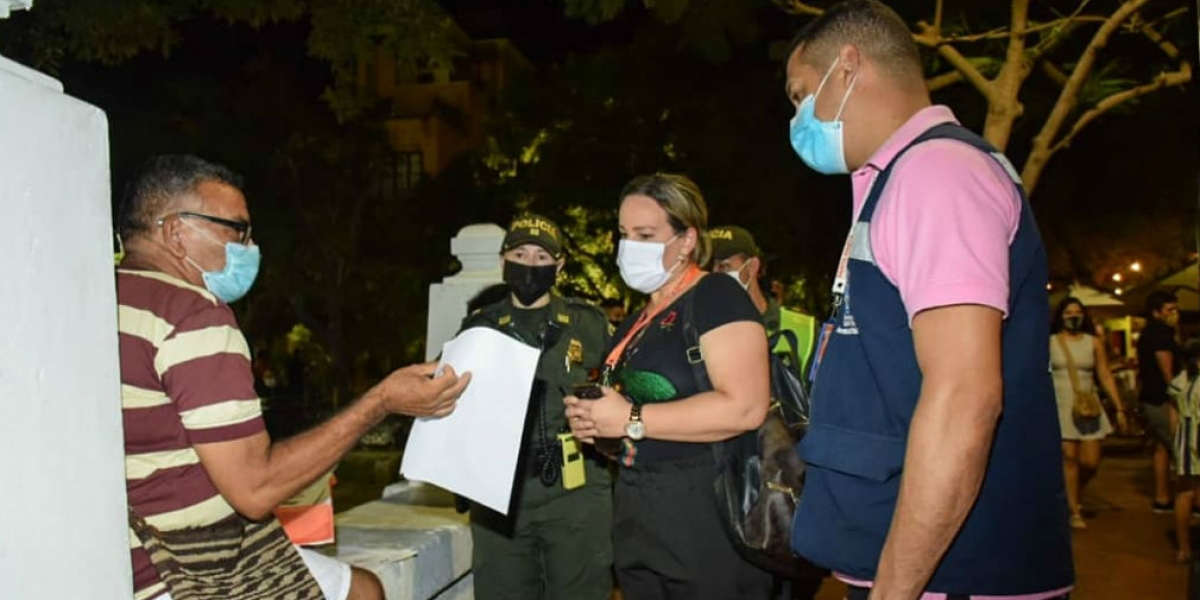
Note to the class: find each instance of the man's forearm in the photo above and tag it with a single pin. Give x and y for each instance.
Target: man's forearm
(948, 449)
(297, 461)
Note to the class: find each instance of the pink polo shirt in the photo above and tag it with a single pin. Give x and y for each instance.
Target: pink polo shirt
(942, 228)
(941, 232)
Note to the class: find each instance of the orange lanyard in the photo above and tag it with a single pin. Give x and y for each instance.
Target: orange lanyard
(648, 315)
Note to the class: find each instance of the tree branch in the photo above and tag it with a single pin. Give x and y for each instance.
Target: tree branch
(929, 38)
(1001, 33)
(944, 80)
(1014, 62)
(799, 7)
(1069, 96)
(1056, 74)
(1162, 81)
(1168, 48)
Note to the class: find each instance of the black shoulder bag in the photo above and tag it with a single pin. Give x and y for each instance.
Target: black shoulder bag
(759, 475)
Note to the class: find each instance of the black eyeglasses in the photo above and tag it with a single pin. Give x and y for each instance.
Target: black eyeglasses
(241, 227)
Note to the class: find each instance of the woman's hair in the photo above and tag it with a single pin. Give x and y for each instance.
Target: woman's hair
(1191, 354)
(1056, 325)
(680, 197)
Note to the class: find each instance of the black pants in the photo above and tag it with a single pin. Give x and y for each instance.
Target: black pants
(861, 593)
(669, 542)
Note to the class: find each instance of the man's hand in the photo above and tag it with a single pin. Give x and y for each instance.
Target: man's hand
(414, 391)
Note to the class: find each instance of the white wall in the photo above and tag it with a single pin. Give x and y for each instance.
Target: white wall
(63, 523)
(477, 248)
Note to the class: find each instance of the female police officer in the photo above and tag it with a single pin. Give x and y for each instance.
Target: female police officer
(557, 542)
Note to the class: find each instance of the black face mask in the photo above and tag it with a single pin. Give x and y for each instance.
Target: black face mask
(529, 283)
(1073, 324)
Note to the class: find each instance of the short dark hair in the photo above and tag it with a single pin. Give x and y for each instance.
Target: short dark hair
(1056, 325)
(159, 181)
(1158, 299)
(873, 27)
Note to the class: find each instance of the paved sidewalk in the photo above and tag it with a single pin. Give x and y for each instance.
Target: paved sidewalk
(1127, 552)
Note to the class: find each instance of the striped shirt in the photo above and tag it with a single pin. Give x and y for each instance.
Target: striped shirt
(185, 380)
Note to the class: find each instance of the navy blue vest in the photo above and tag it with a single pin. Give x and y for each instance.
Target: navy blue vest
(1016, 539)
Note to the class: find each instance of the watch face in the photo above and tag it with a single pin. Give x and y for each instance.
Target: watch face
(636, 430)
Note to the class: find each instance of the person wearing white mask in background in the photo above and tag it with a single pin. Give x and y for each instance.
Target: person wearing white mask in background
(668, 538)
(736, 254)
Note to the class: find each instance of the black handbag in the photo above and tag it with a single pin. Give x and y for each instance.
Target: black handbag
(759, 476)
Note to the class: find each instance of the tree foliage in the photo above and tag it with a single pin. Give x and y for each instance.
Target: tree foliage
(566, 139)
(1066, 43)
(341, 32)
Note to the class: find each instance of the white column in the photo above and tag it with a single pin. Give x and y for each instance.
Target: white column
(10, 5)
(477, 248)
(63, 519)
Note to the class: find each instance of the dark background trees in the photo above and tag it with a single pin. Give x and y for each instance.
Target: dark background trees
(617, 89)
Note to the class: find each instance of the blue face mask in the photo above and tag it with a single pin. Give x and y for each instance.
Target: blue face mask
(241, 268)
(819, 143)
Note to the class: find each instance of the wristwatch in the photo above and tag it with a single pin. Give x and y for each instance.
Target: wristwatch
(635, 429)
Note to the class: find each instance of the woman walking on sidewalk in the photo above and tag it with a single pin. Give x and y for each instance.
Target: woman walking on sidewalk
(1077, 359)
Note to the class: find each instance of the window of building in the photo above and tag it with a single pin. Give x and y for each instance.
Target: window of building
(400, 177)
(409, 168)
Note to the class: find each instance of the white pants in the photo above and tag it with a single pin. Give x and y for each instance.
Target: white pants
(331, 574)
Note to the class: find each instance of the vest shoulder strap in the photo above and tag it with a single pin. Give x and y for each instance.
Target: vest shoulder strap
(944, 131)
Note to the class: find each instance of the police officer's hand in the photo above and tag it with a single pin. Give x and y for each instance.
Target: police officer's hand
(604, 417)
(414, 391)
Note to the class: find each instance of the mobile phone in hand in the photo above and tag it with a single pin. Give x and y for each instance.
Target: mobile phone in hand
(588, 391)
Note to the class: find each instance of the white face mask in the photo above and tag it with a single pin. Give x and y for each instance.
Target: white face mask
(737, 276)
(641, 264)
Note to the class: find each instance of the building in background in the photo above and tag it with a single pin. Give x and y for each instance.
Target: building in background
(439, 113)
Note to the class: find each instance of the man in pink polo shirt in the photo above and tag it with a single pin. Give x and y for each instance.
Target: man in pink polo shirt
(918, 487)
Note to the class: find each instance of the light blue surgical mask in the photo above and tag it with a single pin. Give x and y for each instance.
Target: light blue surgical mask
(231, 283)
(820, 143)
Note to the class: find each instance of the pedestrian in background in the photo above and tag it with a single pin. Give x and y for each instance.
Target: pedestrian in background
(1157, 363)
(1077, 360)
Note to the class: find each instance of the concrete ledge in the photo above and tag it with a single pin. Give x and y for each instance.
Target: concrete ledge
(413, 540)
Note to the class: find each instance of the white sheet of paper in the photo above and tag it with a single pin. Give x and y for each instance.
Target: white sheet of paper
(473, 451)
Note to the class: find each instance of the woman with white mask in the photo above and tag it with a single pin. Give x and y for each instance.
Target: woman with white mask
(688, 371)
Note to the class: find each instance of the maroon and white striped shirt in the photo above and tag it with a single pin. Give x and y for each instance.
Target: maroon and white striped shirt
(185, 380)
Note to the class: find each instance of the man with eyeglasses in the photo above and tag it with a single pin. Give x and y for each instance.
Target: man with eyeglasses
(198, 460)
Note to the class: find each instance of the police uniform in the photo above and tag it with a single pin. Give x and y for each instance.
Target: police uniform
(776, 319)
(556, 543)
(731, 240)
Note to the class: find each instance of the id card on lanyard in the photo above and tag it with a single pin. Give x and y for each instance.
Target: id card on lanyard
(644, 319)
(841, 281)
